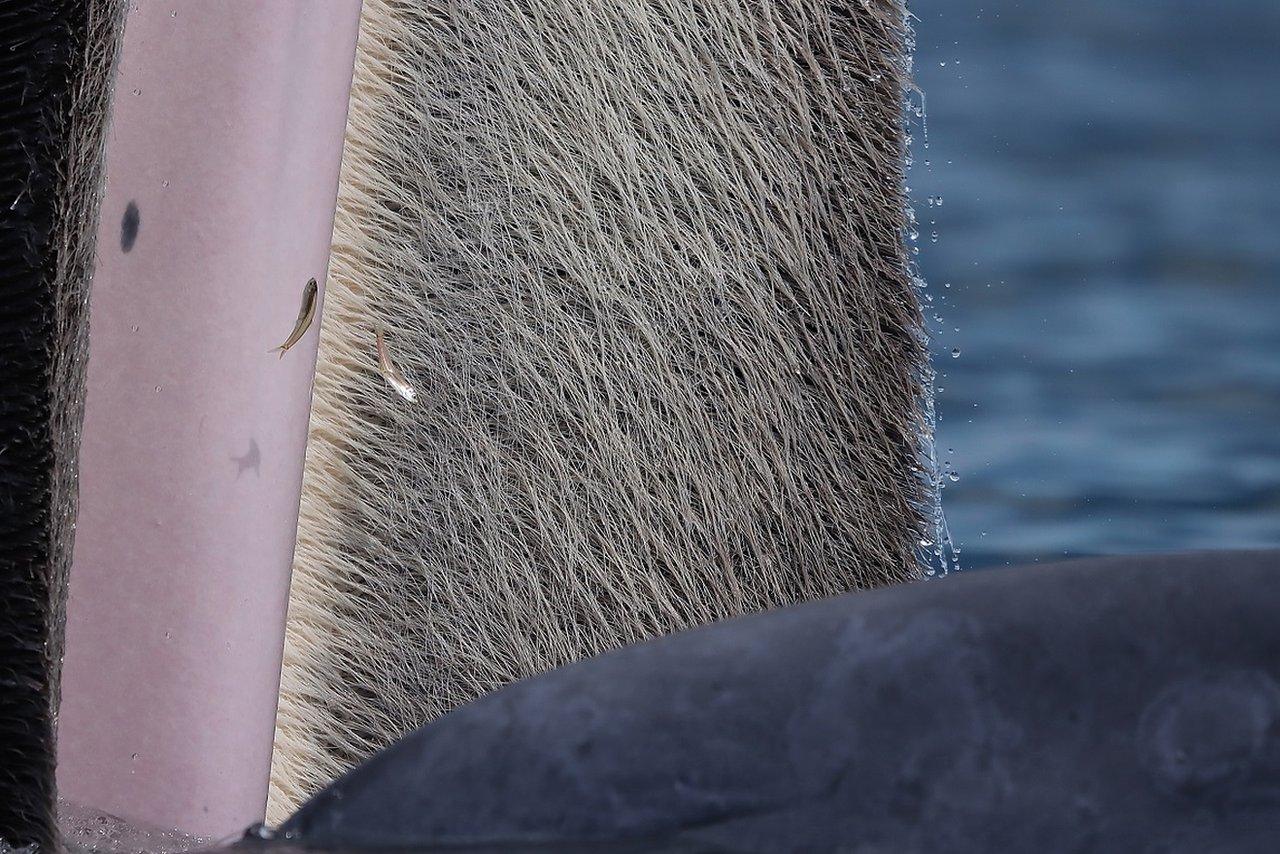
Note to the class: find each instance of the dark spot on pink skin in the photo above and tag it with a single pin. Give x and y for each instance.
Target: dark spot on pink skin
(129, 226)
(249, 461)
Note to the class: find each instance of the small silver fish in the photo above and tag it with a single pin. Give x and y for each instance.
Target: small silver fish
(305, 315)
(392, 374)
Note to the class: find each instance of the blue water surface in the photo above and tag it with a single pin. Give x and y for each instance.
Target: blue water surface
(1108, 246)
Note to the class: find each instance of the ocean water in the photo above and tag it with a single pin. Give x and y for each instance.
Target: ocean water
(1108, 248)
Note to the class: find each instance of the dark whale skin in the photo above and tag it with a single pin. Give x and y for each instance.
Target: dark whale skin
(1126, 704)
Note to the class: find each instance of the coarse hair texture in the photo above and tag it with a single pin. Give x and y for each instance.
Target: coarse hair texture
(57, 62)
(643, 262)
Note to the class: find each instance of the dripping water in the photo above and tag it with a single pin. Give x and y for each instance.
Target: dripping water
(940, 554)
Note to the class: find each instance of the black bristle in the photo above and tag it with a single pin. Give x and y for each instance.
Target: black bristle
(56, 58)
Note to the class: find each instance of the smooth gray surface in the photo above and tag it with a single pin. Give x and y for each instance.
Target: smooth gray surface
(1126, 705)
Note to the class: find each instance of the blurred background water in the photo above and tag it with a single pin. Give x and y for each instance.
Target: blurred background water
(1108, 246)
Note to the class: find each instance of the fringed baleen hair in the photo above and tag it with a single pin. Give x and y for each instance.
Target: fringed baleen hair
(57, 58)
(643, 264)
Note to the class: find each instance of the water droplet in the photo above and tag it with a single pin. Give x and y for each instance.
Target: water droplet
(158, 388)
(955, 353)
(924, 541)
(259, 831)
(164, 183)
(173, 14)
(953, 477)
(137, 91)
(133, 757)
(133, 328)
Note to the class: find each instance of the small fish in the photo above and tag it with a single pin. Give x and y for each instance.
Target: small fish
(392, 373)
(305, 315)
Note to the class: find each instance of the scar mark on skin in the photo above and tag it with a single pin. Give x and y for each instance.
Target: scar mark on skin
(249, 461)
(129, 226)
(305, 315)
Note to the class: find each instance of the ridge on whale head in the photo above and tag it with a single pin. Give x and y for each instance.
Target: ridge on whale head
(1115, 704)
